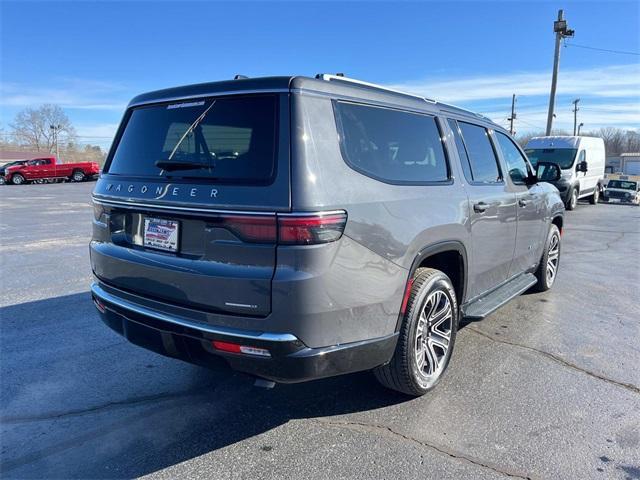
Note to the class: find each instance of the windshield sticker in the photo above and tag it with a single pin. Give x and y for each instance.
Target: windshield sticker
(185, 105)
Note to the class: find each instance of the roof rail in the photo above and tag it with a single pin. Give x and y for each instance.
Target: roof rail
(341, 78)
(469, 112)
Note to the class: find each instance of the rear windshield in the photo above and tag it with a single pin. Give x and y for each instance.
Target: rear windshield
(227, 140)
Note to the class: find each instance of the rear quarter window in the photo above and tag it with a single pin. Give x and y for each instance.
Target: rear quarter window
(226, 140)
(391, 145)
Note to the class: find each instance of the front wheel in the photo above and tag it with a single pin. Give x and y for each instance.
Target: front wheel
(427, 335)
(17, 179)
(550, 261)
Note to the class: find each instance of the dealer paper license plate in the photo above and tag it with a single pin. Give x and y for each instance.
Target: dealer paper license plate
(161, 234)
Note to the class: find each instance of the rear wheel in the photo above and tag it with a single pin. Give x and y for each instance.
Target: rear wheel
(78, 176)
(427, 336)
(593, 199)
(17, 179)
(573, 199)
(550, 261)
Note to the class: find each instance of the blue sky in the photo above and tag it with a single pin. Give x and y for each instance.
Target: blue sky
(92, 57)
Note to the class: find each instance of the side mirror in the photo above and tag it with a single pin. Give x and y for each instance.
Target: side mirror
(548, 172)
(582, 167)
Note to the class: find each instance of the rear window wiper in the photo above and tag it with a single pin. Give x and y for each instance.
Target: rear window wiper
(171, 165)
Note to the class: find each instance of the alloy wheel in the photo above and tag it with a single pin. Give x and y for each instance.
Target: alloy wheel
(433, 335)
(553, 257)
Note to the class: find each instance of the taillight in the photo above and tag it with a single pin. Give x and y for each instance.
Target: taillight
(310, 229)
(237, 348)
(250, 228)
(287, 229)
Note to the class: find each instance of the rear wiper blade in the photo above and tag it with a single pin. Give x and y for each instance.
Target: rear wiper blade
(170, 165)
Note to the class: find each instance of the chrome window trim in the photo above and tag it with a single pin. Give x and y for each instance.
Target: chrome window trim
(177, 208)
(194, 209)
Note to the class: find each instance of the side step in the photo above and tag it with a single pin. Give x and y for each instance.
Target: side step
(480, 308)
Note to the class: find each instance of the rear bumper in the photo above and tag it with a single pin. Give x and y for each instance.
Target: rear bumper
(290, 359)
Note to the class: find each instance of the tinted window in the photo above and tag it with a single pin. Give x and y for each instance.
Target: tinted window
(516, 164)
(229, 140)
(462, 151)
(392, 145)
(482, 158)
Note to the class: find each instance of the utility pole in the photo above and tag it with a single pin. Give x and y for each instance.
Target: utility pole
(561, 30)
(513, 114)
(575, 115)
(55, 129)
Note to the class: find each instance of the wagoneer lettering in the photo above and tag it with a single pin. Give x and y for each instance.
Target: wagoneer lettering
(358, 226)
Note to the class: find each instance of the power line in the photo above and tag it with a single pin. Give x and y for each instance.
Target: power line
(621, 52)
(530, 124)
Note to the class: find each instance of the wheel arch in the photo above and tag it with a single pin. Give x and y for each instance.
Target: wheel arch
(558, 221)
(448, 256)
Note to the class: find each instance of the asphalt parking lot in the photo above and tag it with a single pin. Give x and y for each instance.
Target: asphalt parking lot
(546, 387)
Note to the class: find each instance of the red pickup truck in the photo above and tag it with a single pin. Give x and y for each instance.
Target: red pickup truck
(48, 168)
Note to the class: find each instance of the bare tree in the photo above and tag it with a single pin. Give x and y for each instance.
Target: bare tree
(32, 127)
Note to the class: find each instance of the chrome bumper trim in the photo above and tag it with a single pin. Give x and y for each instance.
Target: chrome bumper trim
(107, 297)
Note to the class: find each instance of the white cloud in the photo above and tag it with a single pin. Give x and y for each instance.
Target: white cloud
(612, 81)
(621, 115)
(71, 93)
(610, 96)
(97, 130)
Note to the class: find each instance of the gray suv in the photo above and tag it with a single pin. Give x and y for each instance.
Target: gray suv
(308, 227)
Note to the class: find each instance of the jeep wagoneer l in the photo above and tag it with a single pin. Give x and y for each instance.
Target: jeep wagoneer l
(309, 227)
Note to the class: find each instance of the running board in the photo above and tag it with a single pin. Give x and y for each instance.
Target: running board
(480, 308)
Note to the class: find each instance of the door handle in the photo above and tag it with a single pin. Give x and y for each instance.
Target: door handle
(480, 207)
(523, 203)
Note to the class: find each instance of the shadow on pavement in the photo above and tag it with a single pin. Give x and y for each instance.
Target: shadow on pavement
(80, 402)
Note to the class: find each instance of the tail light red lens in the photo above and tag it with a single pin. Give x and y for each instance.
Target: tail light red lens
(295, 229)
(310, 229)
(236, 348)
(251, 228)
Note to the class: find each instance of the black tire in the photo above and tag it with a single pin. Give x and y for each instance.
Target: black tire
(545, 281)
(78, 176)
(18, 179)
(403, 373)
(593, 199)
(572, 202)
(3, 181)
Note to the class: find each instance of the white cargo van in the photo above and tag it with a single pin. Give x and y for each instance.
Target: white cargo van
(581, 160)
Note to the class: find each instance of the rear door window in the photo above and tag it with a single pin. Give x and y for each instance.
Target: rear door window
(228, 140)
(482, 158)
(391, 145)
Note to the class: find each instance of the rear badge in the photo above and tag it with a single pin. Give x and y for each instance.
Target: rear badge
(184, 105)
(161, 234)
